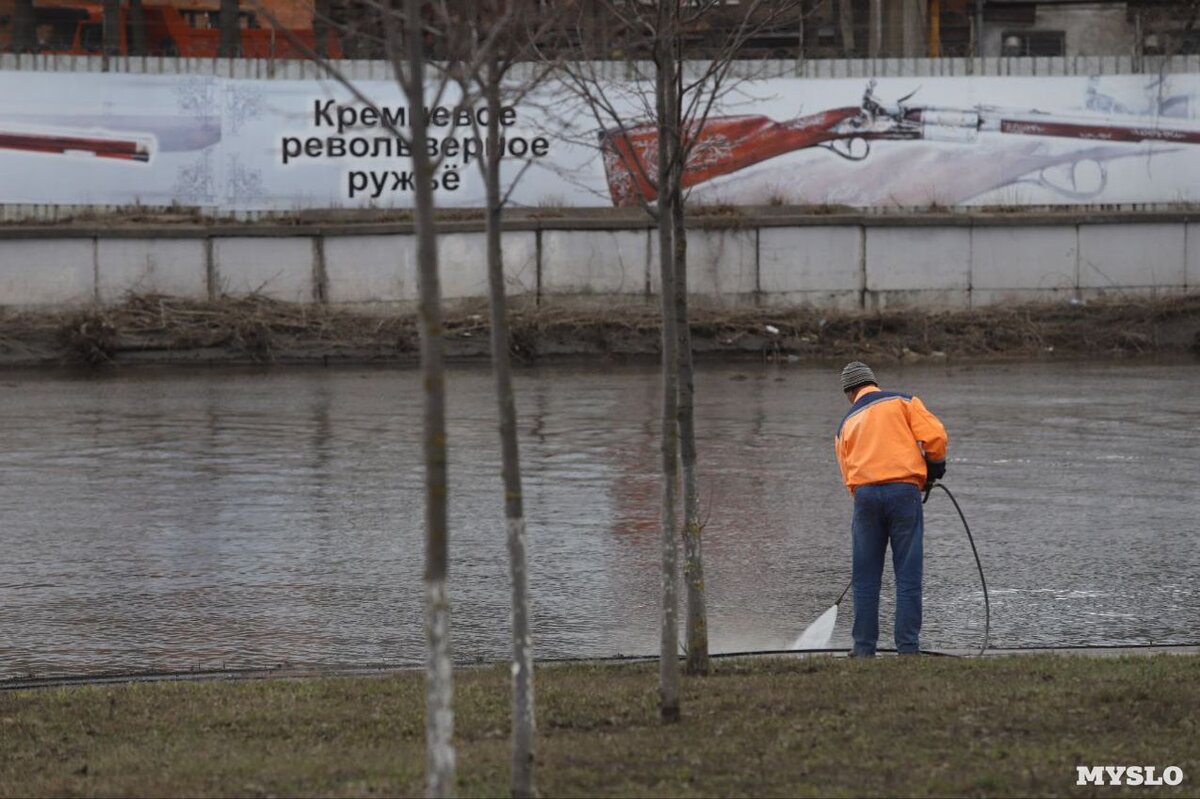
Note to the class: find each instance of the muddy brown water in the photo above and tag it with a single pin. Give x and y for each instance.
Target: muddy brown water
(171, 519)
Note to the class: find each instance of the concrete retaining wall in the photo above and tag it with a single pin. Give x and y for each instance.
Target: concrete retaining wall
(856, 261)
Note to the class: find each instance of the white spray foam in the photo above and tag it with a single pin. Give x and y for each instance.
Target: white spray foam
(819, 633)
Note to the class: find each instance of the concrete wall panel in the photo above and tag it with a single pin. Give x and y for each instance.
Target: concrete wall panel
(177, 267)
(596, 261)
(47, 272)
(837, 300)
(1193, 256)
(721, 264)
(278, 268)
(981, 298)
(1113, 256)
(810, 259)
(463, 259)
(1127, 292)
(1024, 257)
(911, 258)
(371, 268)
(917, 298)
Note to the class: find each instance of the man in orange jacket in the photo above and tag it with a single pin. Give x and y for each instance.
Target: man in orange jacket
(889, 447)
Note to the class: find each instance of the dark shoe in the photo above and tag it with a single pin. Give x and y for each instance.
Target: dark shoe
(856, 654)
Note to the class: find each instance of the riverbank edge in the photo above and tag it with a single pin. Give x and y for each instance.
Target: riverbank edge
(285, 671)
(770, 726)
(162, 330)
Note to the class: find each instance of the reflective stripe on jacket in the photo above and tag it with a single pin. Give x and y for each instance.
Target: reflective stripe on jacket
(886, 437)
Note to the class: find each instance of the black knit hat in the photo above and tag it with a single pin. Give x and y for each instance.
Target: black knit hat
(857, 374)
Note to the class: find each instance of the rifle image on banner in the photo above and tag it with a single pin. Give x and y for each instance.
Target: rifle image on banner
(98, 145)
(724, 145)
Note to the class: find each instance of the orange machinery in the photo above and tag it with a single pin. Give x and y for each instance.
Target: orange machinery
(170, 31)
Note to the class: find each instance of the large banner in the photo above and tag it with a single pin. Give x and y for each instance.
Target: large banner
(234, 145)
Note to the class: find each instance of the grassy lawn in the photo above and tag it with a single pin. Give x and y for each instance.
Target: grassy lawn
(1003, 726)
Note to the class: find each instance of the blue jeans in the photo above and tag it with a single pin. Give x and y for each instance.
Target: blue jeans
(883, 513)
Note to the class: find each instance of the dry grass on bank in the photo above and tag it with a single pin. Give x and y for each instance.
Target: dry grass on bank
(1001, 726)
(257, 329)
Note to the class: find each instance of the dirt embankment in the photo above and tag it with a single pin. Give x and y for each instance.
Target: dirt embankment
(158, 329)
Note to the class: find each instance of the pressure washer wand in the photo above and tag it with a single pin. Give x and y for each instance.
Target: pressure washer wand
(845, 591)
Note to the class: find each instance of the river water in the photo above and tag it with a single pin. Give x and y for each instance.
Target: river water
(173, 519)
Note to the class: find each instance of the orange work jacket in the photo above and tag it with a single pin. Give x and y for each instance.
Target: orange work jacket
(886, 437)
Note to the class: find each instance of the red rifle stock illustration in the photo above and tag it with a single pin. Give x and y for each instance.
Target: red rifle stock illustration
(724, 145)
(125, 138)
(94, 144)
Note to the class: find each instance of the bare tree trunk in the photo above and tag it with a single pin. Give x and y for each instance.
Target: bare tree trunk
(693, 568)
(24, 34)
(669, 132)
(137, 28)
(913, 32)
(523, 723)
(934, 43)
(846, 24)
(439, 695)
(359, 18)
(658, 28)
(112, 27)
(875, 20)
(320, 26)
(697, 615)
(230, 45)
(346, 16)
(800, 12)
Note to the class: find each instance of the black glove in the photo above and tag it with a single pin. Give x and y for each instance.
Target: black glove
(934, 470)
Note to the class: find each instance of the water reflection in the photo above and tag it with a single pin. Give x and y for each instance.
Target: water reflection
(171, 519)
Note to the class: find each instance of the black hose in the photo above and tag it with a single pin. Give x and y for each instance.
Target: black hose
(987, 605)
